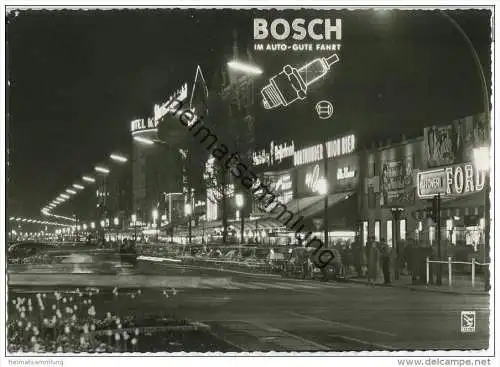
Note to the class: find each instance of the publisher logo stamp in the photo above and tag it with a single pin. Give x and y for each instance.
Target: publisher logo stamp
(468, 321)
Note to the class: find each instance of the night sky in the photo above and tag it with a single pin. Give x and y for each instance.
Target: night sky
(77, 78)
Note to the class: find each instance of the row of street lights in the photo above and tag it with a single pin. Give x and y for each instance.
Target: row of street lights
(37, 221)
(78, 186)
(118, 158)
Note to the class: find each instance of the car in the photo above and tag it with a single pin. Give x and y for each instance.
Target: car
(24, 249)
(332, 270)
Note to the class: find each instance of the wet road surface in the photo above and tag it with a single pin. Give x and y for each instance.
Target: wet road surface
(263, 313)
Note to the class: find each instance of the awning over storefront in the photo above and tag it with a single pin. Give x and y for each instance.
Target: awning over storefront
(467, 205)
(319, 206)
(342, 210)
(263, 223)
(299, 205)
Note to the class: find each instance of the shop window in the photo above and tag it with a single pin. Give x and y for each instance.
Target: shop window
(389, 232)
(377, 230)
(402, 229)
(432, 234)
(365, 232)
(449, 228)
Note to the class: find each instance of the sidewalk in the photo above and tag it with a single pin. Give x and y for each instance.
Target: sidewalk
(461, 284)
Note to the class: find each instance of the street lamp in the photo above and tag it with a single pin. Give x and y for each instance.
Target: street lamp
(481, 157)
(155, 222)
(240, 202)
(101, 169)
(118, 158)
(396, 217)
(188, 212)
(133, 217)
(142, 140)
(244, 67)
(116, 222)
(79, 187)
(88, 179)
(322, 189)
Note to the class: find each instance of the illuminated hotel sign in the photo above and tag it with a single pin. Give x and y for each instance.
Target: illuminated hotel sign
(450, 181)
(275, 154)
(335, 148)
(143, 124)
(151, 123)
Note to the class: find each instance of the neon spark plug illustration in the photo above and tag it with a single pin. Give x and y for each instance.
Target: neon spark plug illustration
(291, 84)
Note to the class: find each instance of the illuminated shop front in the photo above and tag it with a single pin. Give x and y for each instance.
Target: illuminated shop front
(296, 184)
(342, 180)
(388, 199)
(461, 187)
(453, 171)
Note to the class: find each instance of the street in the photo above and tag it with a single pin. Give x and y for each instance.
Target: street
(254, 312)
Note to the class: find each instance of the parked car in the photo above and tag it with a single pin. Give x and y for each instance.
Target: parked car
(24, 249)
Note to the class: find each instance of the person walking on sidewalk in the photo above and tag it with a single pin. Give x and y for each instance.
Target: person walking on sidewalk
(385, 254)
(373, 261)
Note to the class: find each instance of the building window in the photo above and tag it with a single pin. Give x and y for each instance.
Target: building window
(377, 230)
(449, 228)
(402, 229)
(365, 232)
(432, 234)
(389, 232)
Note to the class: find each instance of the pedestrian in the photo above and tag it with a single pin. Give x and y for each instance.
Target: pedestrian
(385, 255)
(345, 257)
(373, 261)
(356, 250)
(407, 256)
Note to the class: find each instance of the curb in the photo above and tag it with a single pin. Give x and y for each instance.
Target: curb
(231, 271)
(421, 288)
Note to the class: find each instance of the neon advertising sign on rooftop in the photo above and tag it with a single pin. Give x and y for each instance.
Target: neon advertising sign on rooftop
(335, 148)
(161, 110)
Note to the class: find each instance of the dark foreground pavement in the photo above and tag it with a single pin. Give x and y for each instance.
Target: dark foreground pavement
(270, 313)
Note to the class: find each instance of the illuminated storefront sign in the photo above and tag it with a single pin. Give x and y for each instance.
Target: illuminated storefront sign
(342, 175)
(451, 181)
(335, 148)
(313, 178)
(345, 172)
(275, 154)
(280, 184)
(398, 182)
